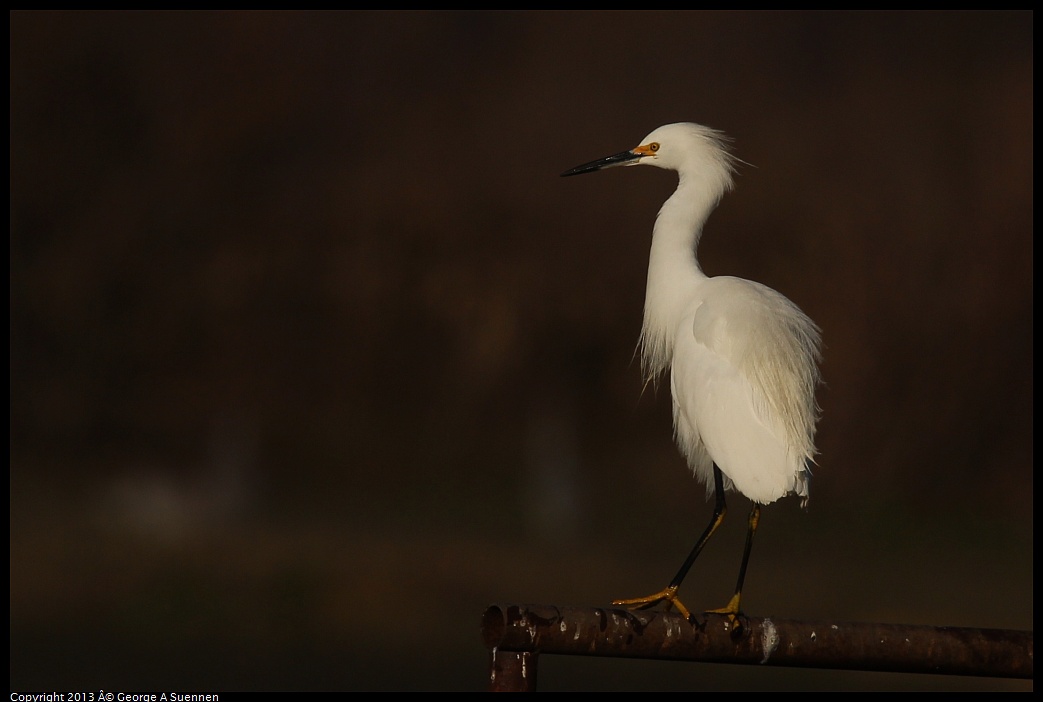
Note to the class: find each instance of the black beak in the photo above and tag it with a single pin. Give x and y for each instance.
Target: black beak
(621, 159)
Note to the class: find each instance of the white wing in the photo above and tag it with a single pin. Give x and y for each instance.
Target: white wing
(743, 379)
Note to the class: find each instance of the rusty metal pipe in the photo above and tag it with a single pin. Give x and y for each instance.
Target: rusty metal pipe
(512, 671)
(604, 631)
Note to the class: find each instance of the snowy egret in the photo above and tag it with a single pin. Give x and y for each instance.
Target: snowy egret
(743, 359)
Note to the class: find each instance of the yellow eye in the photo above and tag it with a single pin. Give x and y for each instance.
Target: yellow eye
(654, 146)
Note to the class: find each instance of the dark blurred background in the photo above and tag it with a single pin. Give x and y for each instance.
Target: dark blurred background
(314, 355)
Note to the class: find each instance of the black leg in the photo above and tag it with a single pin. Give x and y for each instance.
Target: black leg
(733, 607)
(719, 510)
(669, 594)
(755, 517)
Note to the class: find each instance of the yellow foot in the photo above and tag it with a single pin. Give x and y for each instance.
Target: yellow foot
(669, 595)
(730, 610)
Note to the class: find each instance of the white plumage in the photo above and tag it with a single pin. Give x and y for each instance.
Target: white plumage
(743, 359)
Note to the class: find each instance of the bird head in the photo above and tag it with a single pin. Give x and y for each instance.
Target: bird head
(681, 147)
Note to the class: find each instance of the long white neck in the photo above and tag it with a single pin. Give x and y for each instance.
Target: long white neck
(674, 275)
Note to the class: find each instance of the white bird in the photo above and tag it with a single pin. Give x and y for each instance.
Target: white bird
(743, 359)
